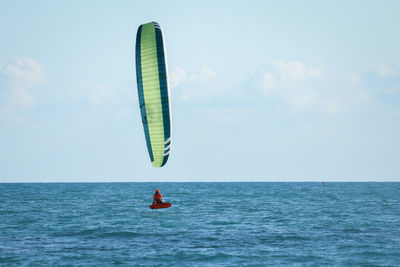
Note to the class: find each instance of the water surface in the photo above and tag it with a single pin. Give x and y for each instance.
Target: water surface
(225, 224)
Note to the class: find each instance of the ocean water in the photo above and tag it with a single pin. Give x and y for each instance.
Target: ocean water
(209, 224)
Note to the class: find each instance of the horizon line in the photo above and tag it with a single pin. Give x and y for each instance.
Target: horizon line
(217, 181)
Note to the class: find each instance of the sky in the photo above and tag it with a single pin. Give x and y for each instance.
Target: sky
(260, 91)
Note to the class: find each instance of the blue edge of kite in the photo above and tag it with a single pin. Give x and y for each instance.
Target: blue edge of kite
(140, 92)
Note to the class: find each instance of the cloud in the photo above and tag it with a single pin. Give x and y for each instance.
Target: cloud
(228, 114)
(300, 87)
(19, 91)
(192, 84)
(383, 81)
(386, 71)
(100, 94)
(109, 99)
(21, 75)
(179, 76)
(295, 70)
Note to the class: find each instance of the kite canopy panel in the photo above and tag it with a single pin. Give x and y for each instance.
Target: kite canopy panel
(153, 91)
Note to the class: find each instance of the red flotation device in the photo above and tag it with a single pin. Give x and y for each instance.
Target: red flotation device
(160, 205)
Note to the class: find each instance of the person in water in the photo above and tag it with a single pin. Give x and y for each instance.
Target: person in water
(157, 197)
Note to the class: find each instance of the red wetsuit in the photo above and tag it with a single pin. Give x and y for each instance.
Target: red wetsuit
(157, 197)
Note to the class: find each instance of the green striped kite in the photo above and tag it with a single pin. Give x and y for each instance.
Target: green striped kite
(152, 83)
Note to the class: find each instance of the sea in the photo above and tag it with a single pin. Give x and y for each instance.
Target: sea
(208, 224)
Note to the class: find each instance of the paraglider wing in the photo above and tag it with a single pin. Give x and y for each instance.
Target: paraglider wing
(153, 91)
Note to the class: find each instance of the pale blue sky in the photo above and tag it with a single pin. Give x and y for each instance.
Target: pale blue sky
(261, 90)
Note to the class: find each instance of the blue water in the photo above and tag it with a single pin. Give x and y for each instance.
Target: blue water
(224, 224)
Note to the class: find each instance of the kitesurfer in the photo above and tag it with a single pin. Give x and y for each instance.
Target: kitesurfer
(157, 197)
